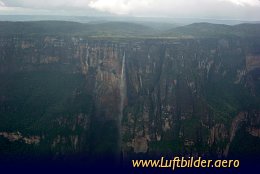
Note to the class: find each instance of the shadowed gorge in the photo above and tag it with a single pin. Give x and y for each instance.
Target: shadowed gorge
(83, 94)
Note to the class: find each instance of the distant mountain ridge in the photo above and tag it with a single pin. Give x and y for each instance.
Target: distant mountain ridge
(65, 27)
(208, 29)
(126, 29)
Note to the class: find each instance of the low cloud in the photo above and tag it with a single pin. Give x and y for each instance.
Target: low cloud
(2, 4)
(120, 6)
(47, 4)
(231, 9)
(220, 9)
(245, 2)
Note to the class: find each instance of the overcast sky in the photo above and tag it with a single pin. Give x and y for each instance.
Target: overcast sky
(217, 9)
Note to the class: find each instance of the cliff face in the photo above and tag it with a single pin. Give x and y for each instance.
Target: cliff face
(190, 96)
(89, 97)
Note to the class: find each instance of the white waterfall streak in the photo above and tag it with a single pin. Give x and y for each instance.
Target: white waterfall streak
(122, 99)
(122, 88)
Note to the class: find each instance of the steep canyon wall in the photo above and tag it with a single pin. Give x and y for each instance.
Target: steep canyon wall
(93, 97)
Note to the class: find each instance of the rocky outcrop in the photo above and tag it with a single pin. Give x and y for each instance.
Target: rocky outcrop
(254, 131)
(235, 125)
(252, 62)
(218, 133)
(17, 136)
(140, 145)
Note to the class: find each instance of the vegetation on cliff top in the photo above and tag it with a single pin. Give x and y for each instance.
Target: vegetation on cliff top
(125, 29)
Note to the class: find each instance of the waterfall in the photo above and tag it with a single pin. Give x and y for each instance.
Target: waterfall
(122, 100)
(122, 89)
